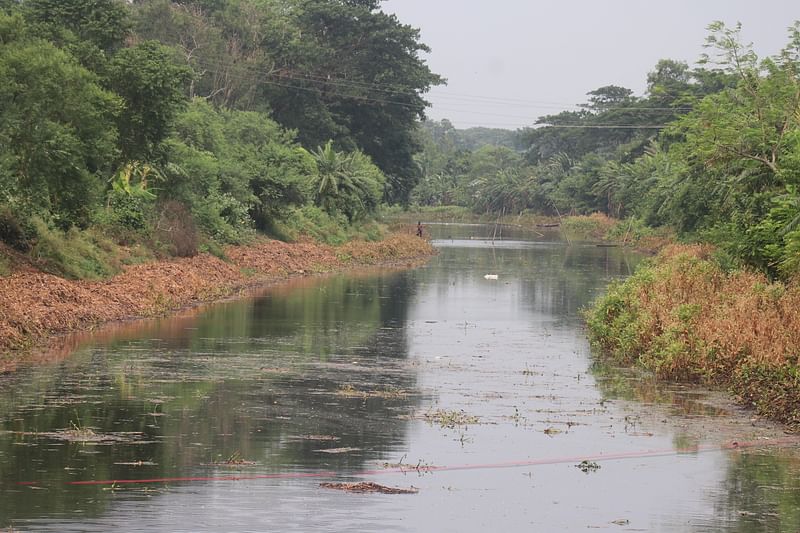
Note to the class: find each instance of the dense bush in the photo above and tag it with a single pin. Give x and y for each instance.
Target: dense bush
(685, 317)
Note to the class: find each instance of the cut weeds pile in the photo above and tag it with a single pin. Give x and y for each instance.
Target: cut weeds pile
(683, 317)
(35, 305)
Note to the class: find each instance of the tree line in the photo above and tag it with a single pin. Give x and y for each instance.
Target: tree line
(711, 151)
(230, 116)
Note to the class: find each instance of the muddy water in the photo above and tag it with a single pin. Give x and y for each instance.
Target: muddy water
(479, 393)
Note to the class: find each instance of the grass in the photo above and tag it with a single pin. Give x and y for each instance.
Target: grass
(444, 213)
(594, 227)
(5, 266)
(313, 223)
(75, 254)
(684, 317)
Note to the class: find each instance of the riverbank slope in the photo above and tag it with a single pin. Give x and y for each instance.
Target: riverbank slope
(35, 306)
(685, 318)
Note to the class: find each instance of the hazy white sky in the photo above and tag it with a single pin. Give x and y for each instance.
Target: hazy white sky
(509, 61)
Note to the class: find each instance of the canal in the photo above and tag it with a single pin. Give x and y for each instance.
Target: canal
(479, 394)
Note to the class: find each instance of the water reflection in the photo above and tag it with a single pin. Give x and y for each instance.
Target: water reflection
(259, 380)
(762, 493)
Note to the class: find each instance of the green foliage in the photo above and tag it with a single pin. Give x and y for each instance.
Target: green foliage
(682, 317)
(57, 137)
(320, 67)
(152, 87)
(96, 130)
(346, 183)
(125, 216)
(237, 169)
(103, 23)
(311, 221)
(614, 323)
(73, 254)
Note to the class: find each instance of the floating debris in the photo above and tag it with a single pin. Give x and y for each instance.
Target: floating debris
(234, 460)
(349, 391)
(588, 466)
(490, 276)
(315, 437)
(552, 431)
(450, 419)
(84, 434)
(368, 486)
(338, 450)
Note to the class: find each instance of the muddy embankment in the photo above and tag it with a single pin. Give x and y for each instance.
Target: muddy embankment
(35, 306)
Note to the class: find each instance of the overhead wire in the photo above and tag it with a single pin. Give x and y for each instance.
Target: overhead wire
(262, 76)
(328, 80)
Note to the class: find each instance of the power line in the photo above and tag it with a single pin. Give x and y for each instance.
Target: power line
(523, 124)
(292, 74)
(456, 99)
(559, 105)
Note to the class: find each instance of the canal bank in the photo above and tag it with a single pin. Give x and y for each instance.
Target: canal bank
(685, 318)
(35, 306)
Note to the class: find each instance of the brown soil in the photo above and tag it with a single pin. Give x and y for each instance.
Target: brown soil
(35, 306)
(368, 486)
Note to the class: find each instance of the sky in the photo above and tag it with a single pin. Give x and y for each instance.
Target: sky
(508, 62)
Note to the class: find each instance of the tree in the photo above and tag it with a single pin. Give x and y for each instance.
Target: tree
(58, 140)
(104, 23)
(608, 97)
(345, 183)
(152, 87)
(353, 74)
(235, 169)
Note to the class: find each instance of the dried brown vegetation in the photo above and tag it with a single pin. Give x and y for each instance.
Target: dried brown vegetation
(368, 486)
(686, 318)
(36, 305)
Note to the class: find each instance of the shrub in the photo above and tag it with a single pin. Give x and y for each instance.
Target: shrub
(315, 223)
(686, 318)
(126, 219)
(224, 218)
(176, 229)
(596, 226)
(12, 231)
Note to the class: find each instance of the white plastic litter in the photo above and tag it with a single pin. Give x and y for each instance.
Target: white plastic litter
(490, 276)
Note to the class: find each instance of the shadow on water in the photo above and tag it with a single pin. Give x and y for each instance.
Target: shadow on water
(433, 366)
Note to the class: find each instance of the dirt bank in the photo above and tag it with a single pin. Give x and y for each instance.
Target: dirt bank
(35, 306)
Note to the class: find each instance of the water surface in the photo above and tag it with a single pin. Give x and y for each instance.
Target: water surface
(398, 373)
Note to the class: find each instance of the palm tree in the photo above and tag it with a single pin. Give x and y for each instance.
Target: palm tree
(347, 183)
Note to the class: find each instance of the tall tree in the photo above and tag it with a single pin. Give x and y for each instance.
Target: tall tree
(57, 136)
(356, 77)
(152, 86)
